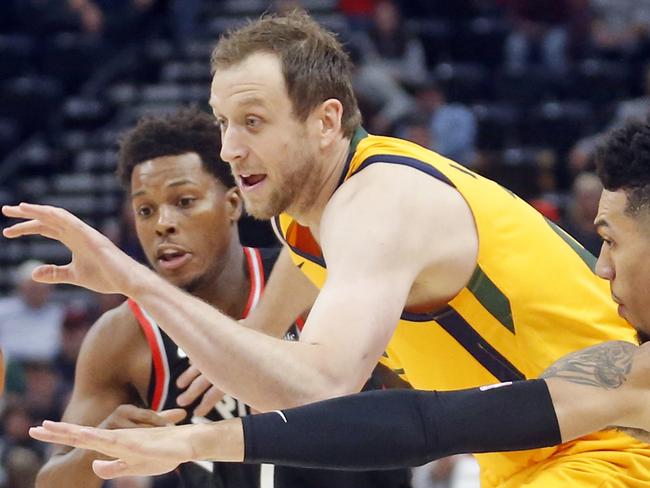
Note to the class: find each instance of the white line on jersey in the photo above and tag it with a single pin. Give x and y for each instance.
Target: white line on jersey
(281, 414)
(498, 385)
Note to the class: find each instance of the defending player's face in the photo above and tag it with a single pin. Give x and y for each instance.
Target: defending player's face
(625, 258)
(184, 218)
(269, 150)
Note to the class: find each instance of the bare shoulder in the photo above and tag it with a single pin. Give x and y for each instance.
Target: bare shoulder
(114, 339)
(407, 213)
(118, 324)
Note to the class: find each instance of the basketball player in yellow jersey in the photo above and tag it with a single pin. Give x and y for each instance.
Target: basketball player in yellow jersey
(456, 280)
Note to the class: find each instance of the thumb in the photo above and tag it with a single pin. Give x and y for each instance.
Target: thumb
(49, 273)
(173, 415)
(110, 469)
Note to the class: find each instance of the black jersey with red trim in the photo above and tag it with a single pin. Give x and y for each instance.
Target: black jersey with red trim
(169, 361)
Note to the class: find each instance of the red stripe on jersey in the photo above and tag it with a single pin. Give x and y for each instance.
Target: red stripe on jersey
(156, 353)
(300, 323)
(256, 276)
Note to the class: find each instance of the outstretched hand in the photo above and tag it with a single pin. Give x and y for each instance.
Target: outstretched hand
(97, 264)
(137, 452)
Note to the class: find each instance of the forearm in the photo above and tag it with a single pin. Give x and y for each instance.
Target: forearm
(402, 428)
(262, 371)
(73, 468)
(582, 409)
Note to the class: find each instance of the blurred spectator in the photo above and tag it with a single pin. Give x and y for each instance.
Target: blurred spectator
(30, 323)
(20, 455)
(75, 325)
(45, 393)
(382, 100)
(582, 211)
(620, 27)
(582, 153)
(283, 7)
(391, 47)
(111, 17)
(416, 129)
(453, 126)
(547, 207)
(539, 30)
(22, 465)
(358, 13)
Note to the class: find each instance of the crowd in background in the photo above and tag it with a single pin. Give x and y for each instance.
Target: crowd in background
(519, 90)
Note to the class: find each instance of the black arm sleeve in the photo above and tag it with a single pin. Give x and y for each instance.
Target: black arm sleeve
(401, 428)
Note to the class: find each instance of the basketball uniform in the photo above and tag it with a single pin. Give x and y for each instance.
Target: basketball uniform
(169, 362)
(533, 298)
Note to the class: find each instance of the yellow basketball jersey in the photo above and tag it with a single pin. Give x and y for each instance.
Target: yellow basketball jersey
(533, 297)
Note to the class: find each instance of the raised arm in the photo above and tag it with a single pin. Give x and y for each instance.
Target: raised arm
(373, 260)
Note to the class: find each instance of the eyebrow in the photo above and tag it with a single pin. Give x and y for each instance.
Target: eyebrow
(245, 101)
(171, 185)
(601, 222)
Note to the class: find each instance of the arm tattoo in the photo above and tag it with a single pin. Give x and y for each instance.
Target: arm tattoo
(603, 366)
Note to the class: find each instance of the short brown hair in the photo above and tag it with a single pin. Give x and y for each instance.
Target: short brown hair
(314, 64)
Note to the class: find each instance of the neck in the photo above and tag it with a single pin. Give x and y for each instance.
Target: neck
(330, 168)
(228, 292)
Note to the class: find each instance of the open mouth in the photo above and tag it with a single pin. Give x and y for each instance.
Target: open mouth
(249, 181)
(171, 259)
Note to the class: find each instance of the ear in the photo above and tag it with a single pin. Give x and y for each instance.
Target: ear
(234, 204)
(330, 115)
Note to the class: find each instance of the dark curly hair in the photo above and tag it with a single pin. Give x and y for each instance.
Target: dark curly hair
(185, 131)
(623, 163)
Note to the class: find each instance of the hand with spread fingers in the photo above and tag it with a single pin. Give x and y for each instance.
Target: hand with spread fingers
(96, 263)
(141, 452)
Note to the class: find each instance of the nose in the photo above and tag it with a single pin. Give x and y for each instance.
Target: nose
(166, 224)
(232, 147)
(604, 265)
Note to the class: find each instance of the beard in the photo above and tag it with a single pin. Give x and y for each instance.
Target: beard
(297, 191)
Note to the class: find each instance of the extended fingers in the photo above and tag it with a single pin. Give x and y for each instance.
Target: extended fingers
(46, 213)
(187, 377)
(55, 434)
(108, 470)
(173, 415)
(117, 468)
(32, 227)
(195, 390)
(49, 273)
(209, 400)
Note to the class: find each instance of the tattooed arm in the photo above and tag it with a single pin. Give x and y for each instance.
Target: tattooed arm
(612, 380)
